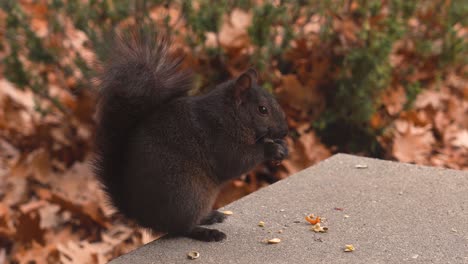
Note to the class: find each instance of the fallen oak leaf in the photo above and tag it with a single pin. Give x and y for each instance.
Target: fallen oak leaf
(116, 235)
(412, 143)
(32, 206)
(35, 253)
(7, 229)
(76, 252)
(28, 228)
(312, 221)
(461, 139)
(87, 212)
(233, 33)
(394, 99)
(49, 216)
(3, 255)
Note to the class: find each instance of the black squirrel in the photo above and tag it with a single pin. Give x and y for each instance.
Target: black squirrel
(162, 155)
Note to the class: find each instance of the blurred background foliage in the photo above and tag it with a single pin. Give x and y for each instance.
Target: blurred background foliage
(379, 78)
(352, 41)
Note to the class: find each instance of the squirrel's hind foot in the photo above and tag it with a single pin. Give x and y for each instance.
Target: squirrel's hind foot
(207, 235)
(213, 218)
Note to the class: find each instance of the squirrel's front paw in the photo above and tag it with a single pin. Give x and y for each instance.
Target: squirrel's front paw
(276, 150)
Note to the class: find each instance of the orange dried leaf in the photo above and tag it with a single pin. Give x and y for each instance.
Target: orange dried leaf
(311, 220)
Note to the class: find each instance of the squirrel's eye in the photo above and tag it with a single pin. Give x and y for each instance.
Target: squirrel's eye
(263, 110)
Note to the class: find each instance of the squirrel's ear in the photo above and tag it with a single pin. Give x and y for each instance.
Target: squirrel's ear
(243, 84)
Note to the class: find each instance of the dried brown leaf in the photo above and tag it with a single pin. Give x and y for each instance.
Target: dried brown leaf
(233, 33)
(461, 139)
(298, 96)
(37, 254)
(412, 143)
(304, 152)
(77, 252)
(49, 216)
(28, 228)
(394, 99)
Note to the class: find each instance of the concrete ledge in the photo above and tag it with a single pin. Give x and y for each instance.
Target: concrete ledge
(397, 213)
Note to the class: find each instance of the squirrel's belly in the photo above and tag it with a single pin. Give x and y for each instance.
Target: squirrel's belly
(165, 206)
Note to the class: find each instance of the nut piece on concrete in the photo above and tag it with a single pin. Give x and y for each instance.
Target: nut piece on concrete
(193, 255)
(274, 241)
(349, 248)
(227, 212)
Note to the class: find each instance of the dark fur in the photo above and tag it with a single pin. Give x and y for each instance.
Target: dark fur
(162, 155)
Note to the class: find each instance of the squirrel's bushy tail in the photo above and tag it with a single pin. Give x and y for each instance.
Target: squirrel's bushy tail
(139, 76)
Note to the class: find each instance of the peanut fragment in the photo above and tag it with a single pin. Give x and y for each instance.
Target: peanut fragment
(361, 166)
(319, 229)
(274, 241)
(349, 248)
(193, 255)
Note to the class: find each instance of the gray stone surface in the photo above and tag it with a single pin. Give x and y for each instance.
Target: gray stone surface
(398, 213)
